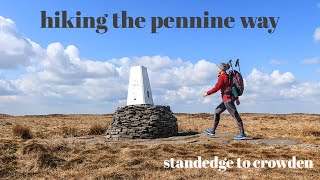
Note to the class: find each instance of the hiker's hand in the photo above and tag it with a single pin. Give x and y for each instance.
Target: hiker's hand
(238, 102)
(204, 94)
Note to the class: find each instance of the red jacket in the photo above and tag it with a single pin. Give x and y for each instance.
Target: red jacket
(222, 85)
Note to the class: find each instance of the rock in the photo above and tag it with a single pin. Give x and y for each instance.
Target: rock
(142, 121)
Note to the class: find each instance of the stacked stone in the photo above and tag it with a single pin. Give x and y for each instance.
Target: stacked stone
(142, 121)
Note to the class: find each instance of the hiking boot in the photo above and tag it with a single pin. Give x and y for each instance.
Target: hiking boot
(240, 136)
(209, 131)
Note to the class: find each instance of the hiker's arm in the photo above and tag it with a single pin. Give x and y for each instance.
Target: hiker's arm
(238, 101)
(216, 87)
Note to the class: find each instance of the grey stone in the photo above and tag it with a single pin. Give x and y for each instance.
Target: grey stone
(142, 121)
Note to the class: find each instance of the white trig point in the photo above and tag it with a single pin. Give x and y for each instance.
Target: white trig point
(139, 90)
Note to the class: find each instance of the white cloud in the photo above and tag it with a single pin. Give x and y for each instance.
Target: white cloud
(186, 74)
(63, 74)
(280, 79)
(8, 99)
(316, 35)
(155, 62)
(15, 49)
(304, 91)
(260, 81)
(314, 60)
(6, 88)
(264, 88)
(279, 93)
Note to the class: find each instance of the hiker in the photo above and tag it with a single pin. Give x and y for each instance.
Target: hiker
(228, 100)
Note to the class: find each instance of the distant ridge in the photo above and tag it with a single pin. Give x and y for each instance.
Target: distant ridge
(5, 115)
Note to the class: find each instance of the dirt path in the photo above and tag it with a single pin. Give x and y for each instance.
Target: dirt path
(189, 138)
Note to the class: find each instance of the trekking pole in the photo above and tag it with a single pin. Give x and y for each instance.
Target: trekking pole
(238, 64)
(230, 77)
(230, 63)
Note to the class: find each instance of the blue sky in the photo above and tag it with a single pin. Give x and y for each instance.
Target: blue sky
(294, 33)
(292, 48)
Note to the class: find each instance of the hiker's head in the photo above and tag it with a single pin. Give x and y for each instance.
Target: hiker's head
(223, 67)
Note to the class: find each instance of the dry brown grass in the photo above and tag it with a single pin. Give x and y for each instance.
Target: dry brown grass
(22, 132)
(48, 156)
(97, 129)
(69, 132)
(291, 126)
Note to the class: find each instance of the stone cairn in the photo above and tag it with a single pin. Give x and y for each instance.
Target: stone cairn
(142, 122)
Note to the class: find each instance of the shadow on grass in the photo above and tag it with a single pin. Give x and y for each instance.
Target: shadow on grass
(187, 133)
(252, 138)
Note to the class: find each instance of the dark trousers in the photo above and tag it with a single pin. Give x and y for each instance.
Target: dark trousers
(229, 105)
